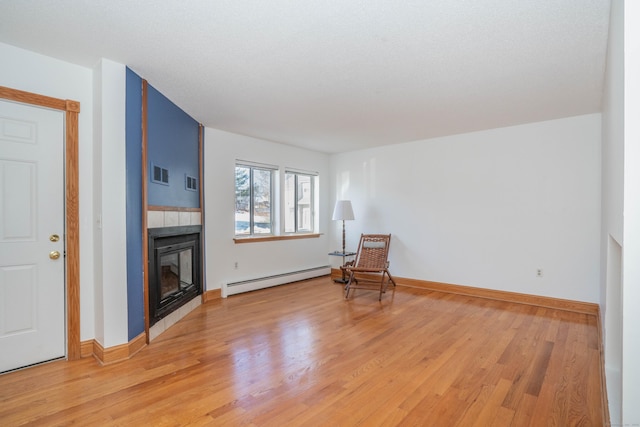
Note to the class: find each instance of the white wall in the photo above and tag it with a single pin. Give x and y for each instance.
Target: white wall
(620, 281)
(631, 237)
(255, 260)
(98, 314)
(612, 208)
(485, 209)
(101, 93)
(111, 318)
(43, 75)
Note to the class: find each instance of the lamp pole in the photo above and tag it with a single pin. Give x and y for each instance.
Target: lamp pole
(343, 212)
(343, 241)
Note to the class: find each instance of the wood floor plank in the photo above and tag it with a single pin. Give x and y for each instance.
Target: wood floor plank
(300, 354)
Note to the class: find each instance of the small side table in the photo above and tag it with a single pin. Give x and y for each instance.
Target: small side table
(344, 256)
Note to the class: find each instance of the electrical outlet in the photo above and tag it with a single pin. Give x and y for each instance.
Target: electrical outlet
(235, 265)
(539, 272)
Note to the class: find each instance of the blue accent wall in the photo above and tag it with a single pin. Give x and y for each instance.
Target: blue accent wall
(172, 144)
(135, 267)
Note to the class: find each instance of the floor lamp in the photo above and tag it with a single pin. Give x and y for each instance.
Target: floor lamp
(343, 212)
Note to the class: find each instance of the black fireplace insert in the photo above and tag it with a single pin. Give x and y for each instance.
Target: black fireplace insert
(174, 269)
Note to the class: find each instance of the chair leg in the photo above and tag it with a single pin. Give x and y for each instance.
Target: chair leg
(383, 288)
(391, 278)
(348, 286)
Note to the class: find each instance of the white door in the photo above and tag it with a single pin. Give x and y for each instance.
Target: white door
(32, 283)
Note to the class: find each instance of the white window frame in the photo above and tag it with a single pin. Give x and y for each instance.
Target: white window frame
(311, 199)
(252, 166)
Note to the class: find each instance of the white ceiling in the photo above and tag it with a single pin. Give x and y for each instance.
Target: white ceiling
(338, 75)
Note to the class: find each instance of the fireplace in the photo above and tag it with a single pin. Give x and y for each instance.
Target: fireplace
(174, 269)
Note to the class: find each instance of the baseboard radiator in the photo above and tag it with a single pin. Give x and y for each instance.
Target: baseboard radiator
(275, 280)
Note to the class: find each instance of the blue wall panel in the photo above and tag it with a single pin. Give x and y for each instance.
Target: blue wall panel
(135, 295)
(172, 145)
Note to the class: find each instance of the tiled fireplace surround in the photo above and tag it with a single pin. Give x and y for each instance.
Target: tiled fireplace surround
(169, 218)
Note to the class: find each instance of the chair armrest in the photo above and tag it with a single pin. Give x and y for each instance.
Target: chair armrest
(348, 264)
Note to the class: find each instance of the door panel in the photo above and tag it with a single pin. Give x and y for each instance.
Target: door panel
(32, 286)
(18, 293)
(18, 222)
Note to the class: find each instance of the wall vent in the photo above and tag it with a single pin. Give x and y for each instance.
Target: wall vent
(159, 175)
(191, 183)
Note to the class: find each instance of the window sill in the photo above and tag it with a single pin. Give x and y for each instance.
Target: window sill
(254, 239)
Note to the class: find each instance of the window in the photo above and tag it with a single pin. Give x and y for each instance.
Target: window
(273, 205)
(299, 202)
(254, 200)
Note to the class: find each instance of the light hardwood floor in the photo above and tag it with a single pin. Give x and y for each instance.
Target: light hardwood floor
(300, 355)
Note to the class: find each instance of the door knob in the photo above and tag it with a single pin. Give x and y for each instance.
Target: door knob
(54, 237)
(54, 254)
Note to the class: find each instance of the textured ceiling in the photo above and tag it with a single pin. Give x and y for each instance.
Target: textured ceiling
(338, 75)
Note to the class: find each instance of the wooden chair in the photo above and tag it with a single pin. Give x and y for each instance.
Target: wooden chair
(371, 262)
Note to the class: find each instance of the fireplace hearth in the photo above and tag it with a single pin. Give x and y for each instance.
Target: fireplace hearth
(174, 269)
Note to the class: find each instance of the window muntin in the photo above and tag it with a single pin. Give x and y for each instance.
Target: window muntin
(299, 203)
(254, 200)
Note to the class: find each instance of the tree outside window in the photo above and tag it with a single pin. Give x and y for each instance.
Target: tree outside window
(254, 207)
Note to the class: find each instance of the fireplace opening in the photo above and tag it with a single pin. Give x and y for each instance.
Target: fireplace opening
(174, 269)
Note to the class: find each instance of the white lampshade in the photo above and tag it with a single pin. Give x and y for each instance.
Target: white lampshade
(343, 211)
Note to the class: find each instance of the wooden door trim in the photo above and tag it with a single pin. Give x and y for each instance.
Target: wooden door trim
(71, 109)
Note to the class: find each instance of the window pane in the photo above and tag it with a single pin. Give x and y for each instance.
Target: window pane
(289, 203)
(298, 203)
(243, 194)
(304, 201)
(262, 201)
